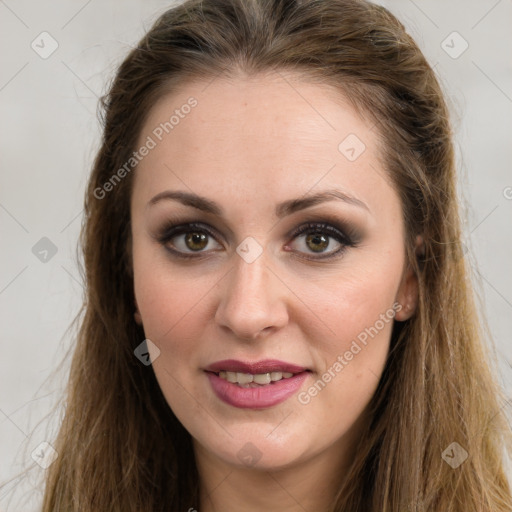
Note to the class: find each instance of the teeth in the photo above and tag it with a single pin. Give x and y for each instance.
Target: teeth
(262, 378)
(244, 379)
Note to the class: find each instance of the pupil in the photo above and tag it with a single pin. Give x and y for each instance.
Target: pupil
(319, 240)
(193, 240)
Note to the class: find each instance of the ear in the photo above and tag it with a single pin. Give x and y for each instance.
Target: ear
(407, 294)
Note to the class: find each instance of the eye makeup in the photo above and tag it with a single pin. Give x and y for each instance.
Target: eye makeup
(323, 230)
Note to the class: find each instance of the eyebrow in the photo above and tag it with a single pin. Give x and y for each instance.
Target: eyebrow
(282, 209)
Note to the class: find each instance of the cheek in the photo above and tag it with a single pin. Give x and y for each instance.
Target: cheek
(354, 347)
(355, 304)
(360, 314)
(350, 347)
(172, 310)
(168, 298)
(350, 334)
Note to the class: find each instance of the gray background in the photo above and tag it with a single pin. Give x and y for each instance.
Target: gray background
(49, 134)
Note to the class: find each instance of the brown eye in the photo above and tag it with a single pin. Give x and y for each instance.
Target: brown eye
(323, 239)
(186, 239)
(196, 241)
(317, 242)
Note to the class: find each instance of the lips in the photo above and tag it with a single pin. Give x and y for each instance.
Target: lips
(264, 366)
(232, 382)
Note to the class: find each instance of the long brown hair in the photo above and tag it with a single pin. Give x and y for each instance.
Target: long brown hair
(120, 446)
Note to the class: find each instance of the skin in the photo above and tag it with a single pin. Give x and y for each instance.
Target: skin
(249, 144)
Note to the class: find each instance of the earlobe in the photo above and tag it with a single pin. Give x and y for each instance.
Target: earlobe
(407, 296)
(408, 292)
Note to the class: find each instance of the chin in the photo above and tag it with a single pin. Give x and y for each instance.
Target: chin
(253, 448)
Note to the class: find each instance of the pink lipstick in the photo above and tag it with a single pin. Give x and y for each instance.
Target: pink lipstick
(255, 385)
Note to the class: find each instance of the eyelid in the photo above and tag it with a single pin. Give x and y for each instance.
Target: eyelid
(346, 230)
(172, 229)
(332, 231)
(320, 227)
(176, 228)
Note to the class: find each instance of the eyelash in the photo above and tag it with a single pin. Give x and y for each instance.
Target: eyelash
(170, 231)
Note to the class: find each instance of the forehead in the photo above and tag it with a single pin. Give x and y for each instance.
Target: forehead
(260, 136)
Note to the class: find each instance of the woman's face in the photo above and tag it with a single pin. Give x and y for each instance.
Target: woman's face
(245, 295)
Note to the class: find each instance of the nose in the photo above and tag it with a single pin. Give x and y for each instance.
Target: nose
(253, 300)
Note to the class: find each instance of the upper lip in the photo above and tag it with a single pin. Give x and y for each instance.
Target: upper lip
(256, 367)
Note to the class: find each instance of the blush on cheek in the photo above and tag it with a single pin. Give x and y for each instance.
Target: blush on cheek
(163, 306)
(364, 339)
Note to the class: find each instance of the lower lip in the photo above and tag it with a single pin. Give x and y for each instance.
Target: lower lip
(256, 398)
